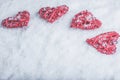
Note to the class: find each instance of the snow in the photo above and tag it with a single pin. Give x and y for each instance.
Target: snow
(45, 51)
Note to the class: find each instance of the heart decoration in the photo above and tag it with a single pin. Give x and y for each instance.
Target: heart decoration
(52, 14)
(85, 20)
(105, 42)
(19, 20)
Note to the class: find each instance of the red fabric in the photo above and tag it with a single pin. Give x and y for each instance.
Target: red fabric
(52, 14)
(85, 20)
(19, 20)
(105, 42)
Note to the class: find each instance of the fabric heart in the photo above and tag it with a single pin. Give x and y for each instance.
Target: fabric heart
(21, 19)
(105, 42)
(85, 20)
(52, 14)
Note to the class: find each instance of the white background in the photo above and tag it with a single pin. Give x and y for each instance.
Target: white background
(45, 51)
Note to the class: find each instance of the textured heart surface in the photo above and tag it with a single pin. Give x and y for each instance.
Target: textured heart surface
(19, 20)
(105, 42)
(52, 14)
(85, 20)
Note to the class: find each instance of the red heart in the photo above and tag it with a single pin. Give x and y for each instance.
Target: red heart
(21, 19)
(52, 14)
(105, 42)
(85, 20)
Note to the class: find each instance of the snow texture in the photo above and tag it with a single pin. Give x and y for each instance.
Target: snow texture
(45, 51)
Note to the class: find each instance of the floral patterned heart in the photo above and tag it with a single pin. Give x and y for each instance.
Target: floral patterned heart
(52, 14)
(85, 20)
(19, 20)
(105, 42)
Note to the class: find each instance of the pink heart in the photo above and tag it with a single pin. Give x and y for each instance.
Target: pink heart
(105, 42)
(85, 20)
(52, 14)
(19, 20)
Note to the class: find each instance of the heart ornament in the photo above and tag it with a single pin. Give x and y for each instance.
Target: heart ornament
(52, 14)
(105, 42)
(85, 20)
(21, 19)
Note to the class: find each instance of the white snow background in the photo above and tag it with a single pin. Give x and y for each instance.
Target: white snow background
(45, 51)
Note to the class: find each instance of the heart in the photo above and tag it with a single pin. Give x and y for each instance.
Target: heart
(52, 14)
(85, 20)
(19, 20)
(105, 42)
